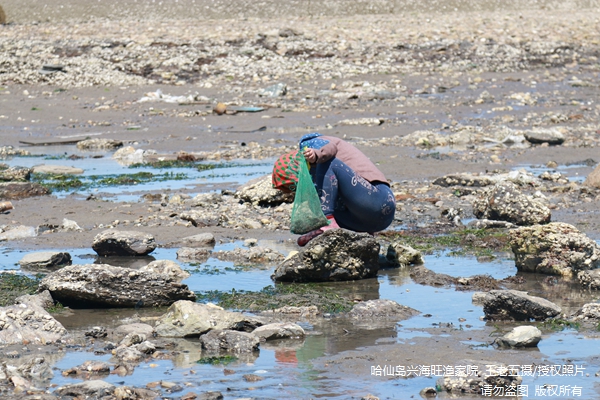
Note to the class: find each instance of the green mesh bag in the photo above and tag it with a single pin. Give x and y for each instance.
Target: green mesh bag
(306, 211)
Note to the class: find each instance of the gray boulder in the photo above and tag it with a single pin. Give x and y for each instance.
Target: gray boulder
(192, 254)
(189, 319)
(205, 200)
(520, 336)
(590, 311)
(45, 259)
(166, 267)
(99, 144)
(399, 255)
(488, 373)
(27, 322)
(336, 255)
(95, 389)
(556, 248)
(42, 300)
(551, 136)
(464, 180)
(123, 243)
(16, 232)
(590, 279)
(109, 286)
(57, 170)
(260, 191)
(15, 174)
(231, 341)
(593, 179)
(21, 190)
(505, 202)
(252, 255)
(514, 305)
(279, 330)
(201, 240)
(201, 218)
(381, 309)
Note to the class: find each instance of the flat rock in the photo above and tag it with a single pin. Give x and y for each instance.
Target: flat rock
(189, 319)
(166, 267)
(464, 180)
(99, 144)
(45, 259)
(514, 305)
(123, 243)
(57, 170)
(231, 341)
(108, 286)
(381, 309)
(27, 322)
(260, 191)
(279, 330)
(551, 136)
(521, 336)
(89, 389)
(21, 190)
(200, 240)
(17, 232)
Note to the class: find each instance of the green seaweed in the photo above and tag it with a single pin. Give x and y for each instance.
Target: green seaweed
(271, 297)
(13, 286)
(220, 360)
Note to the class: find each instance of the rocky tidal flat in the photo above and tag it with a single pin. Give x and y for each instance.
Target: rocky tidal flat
(145, 255)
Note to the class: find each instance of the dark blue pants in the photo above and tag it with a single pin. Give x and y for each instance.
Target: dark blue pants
(355, 203)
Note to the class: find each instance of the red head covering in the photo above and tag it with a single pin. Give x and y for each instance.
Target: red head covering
(285, 172)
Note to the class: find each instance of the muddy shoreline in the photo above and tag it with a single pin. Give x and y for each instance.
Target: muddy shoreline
(465, 79)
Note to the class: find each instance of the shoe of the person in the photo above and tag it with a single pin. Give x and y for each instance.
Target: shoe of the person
(307, 237)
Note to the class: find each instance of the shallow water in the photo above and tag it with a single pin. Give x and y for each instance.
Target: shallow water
(286, 366)
(98, 165)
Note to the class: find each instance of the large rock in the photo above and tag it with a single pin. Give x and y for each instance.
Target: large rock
(231, 341)
(552, 136)
(279, 330)
(99, 144)
(21, 190)
(189, 319)
(206, 239)
(108, 286)
(590, 279)
(520, 336)
(261, 191)
(479, 374)
(167, 267)
(16, 232)
(514, 305)
(400, 255)
(336, 255)
(464, 180)
(95, 389)
(593, 179)
(28, 323)
(505, 202)
(45, 259)
(201, 218)
(57, 170)
(381, 309)
(123, 243)
(590, 311)
(15, 174)
(556, 248)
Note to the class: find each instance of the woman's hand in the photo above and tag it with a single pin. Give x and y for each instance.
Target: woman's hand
(310, 155)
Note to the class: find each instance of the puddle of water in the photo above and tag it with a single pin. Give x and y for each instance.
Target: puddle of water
(226, 175)
(574, 172)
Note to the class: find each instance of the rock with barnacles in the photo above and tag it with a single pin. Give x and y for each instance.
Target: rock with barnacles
(505, 202)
